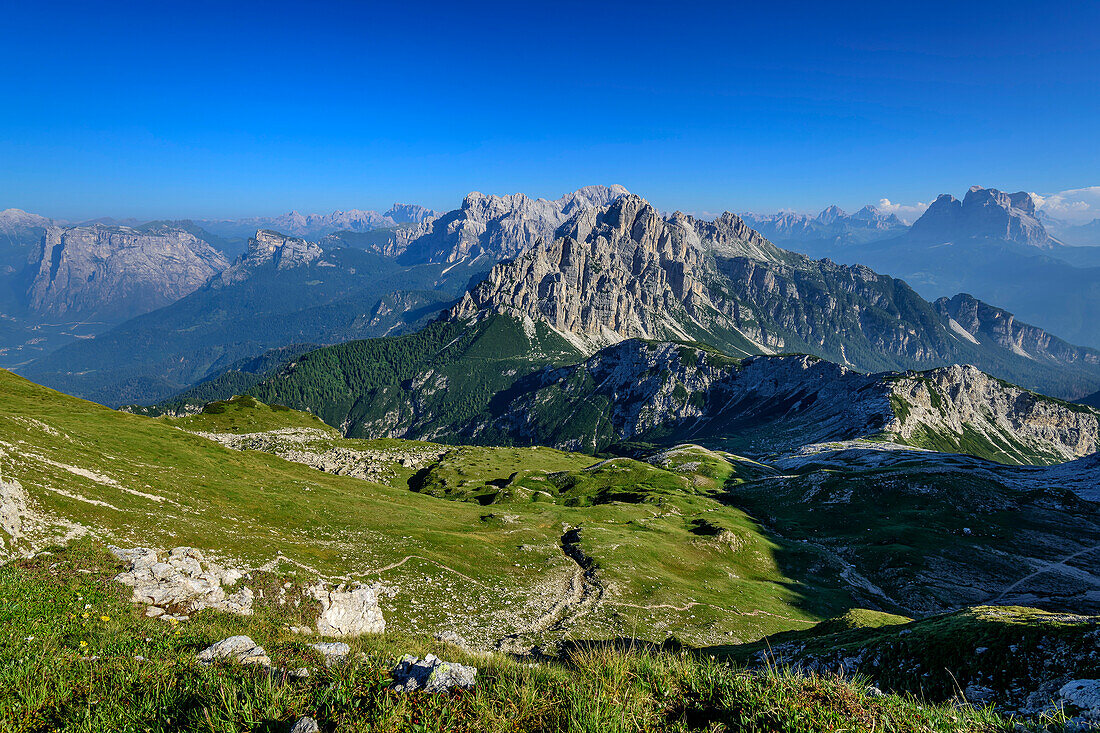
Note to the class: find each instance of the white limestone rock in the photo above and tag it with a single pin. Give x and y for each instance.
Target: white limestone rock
(348, 611)
(182, 581)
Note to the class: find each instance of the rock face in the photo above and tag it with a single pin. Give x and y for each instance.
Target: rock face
(240, 649)
(1083, 697)
(181, 583)
(409, 214)
(497, 226)
(984, 213)
(270, 248)
(117, 272)
(20, 236)
(962, 400)
(349, 611)
(431, 675)
(625, 271)
(13, 507)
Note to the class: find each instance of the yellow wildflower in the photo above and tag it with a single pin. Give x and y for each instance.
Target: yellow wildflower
(83, 643)
(104, 618)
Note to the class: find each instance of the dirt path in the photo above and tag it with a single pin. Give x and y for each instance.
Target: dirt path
(582, 593)
(1046, 568)
(404, 560)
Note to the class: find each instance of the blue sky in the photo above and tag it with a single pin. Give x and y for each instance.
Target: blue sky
(226, 109)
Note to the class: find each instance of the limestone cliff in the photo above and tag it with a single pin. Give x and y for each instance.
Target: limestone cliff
(115, 272)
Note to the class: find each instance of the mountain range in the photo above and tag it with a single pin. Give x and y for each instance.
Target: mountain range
(598, 264)
(832, 226)
(314, 226)
(994, 246)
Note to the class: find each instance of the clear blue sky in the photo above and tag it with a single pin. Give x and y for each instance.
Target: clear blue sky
(232, 108)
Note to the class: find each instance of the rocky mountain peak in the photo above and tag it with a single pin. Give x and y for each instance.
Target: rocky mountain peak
(830, 214)
(988, 324)
(409, 213)
(872, 216)
(12, 218)
(271, 248)
(984, 213)
(499, 226)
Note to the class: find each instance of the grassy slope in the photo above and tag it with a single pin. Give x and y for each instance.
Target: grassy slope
(156, 485)
(78, 657)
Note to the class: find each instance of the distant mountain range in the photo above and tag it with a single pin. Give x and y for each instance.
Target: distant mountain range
(992, 245)
(282, 290)
(314, 226)
(628, 325)
(832, 226)
(598, 265)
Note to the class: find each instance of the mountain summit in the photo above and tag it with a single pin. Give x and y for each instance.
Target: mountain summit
(984, 213)
(624, 271)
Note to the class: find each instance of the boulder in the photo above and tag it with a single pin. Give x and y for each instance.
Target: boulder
(431, 674)
(183, 581)
(348, 612)
(239, 649)
(1083, 697)
(305, 725)
(452, 638)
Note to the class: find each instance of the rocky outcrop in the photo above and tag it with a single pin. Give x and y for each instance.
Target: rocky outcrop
(1082, 699)
(312, 447)
(305, 725)
(13, 507)
(963, 400)
(349, 611)
(270, 248)
(117, 272)
(431, 674)
(984, 213)
(181, 582)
